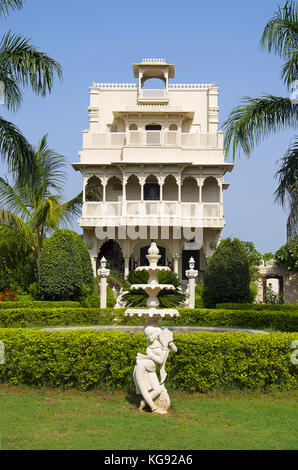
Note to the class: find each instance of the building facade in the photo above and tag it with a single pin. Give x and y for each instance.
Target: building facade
(153, 168)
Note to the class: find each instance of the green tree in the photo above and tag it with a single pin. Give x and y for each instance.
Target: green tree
(287, 255)
(29, 212)
(227, 276)
(287, 191)
(256, 118)
(64, 267)
(21, 65)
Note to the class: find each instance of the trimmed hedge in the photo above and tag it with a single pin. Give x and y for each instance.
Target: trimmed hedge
(23, 317)
(40, 304)
(276, 320)
(92, 359)
(277, 307)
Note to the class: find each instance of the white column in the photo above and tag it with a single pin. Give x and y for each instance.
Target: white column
(103, 273)
(104, 182)
(176, 264)
(192, 273)
(161, 182)
(126, 266)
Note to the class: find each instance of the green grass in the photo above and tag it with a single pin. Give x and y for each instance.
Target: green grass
(39, 419)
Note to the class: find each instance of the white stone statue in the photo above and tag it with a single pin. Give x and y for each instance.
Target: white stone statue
(160, 343)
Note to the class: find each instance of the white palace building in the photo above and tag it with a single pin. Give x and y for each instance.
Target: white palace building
(153, 170)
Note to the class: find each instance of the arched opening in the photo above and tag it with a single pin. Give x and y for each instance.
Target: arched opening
(133, 127)
(111, 251)
(173, 127)
(113, 189)
(133, 189)
(210, 190)
(151, 189)
(93, 189)
(170, 189)
(153, 83)
(189, 190)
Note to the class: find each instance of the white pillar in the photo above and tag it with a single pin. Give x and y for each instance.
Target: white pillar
(192, 273)
(126, 266)
(103, 273)
(176, 264)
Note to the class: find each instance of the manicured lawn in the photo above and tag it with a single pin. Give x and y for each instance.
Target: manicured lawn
(34, 419)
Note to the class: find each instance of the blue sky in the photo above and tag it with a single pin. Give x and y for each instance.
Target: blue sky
(207, 41)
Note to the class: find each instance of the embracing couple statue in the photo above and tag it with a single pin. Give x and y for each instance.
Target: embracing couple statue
(160, 343)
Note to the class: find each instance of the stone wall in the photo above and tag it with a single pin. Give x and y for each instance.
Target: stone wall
(288, 282)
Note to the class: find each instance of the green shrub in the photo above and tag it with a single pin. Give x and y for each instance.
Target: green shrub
(64, 266)
(244, 306)
(247, 319)
(63, 316)
(92, 359)
(227, 276)
(40, 304)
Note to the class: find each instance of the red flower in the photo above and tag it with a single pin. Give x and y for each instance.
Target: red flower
(15, 287)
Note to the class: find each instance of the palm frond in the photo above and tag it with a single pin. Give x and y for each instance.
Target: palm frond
(287, 174)
(255, 119)
(14, 233)
(16, 150)
(11, 200)
(6, 5)
(27, 65)
(280, 35)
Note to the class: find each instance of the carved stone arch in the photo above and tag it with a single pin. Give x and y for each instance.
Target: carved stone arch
(114, 188)
(211, 189)
(93, 189)
(170, 188)
(133, 188)
(189, 189)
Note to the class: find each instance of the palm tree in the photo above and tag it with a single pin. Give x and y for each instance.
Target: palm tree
(287, 191)
(28, 212)
(256, 118)
(21, 65)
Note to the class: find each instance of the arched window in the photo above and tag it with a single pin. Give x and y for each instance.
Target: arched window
(173, 127)
(133, 127)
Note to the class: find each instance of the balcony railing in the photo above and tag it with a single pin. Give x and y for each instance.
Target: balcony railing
(156, 95)
(153, 138)
(161, 213)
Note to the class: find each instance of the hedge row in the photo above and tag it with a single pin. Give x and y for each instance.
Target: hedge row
(276, 320)
(92, 359)
(239, 306)
(39, 304)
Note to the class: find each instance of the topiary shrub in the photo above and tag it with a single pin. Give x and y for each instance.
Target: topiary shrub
(64, 266)
(227, 276)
